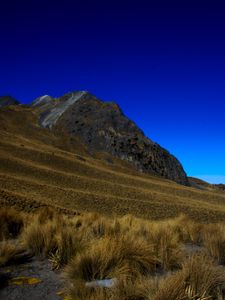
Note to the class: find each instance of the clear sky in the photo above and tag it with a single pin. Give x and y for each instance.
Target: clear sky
(163, 62)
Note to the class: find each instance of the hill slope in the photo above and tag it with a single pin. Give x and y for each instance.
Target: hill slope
(201, 184)
(39, 167)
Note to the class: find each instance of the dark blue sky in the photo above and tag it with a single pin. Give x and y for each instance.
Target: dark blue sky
(162, 61)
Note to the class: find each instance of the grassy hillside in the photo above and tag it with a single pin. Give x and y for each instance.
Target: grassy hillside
(38, 167)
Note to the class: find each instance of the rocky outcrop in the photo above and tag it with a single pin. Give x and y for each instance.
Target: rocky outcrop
(8, 100)
(102, 126)
(52, 109)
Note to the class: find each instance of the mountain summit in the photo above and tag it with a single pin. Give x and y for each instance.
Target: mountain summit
(102, 126)
(7, 100)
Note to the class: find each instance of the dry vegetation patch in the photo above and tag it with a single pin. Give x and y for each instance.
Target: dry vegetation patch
(199, 278)
(214, 241)
(52, 237)
(111, 257)
(147, 260)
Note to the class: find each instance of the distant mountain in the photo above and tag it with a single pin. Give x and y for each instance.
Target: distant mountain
(102, 126)
(7, 100)
(203, 185)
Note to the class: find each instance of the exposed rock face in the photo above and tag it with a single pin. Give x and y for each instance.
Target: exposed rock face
(103, 127)
(53, 109)
(7, 100)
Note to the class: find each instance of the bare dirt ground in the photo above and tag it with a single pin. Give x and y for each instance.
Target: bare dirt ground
(31, 280)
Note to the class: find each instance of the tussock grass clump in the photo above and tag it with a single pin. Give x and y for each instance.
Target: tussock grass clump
(126, 289)
(188, 230)
(163, 236)
(104, 227)
(67, 245)
(199, 278)
(109, 257)
(139, 255)
(171, 287)
(40, 238)
(165, 240)
(167, 246)
(202, 277)
(141, 288)
(11, 223)
(100, 228)
(214, 241)
(54, 239)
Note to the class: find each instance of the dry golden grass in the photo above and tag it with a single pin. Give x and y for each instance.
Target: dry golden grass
(188, 230)
(98, 228)
(68, 244)
(40, 239)
(53, 238)
(146, 257)
(199, 279)
(140, 289)
(109, 238)
(111, 257)
(214, 241)
(136, 252)
(39, 167)
(126, 289)
(167, 246)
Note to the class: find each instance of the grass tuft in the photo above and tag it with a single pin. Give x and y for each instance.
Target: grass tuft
(214, 241)
(199, 279)
(54, 239)
(167, 246)
(112, 257)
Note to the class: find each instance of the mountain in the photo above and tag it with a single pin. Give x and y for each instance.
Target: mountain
(7, 100)
(102, 126)
(41, 167)
(201, 184)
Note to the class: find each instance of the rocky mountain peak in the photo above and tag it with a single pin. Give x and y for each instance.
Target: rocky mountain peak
(43, 100)
(102, 126)
(53, 108)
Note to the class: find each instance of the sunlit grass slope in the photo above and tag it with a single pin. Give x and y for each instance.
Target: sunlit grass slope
(41, 167)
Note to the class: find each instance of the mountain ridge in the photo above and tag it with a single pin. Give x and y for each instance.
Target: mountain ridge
(201, 184)
(102, 126)
(8, 100)
(40, 167)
